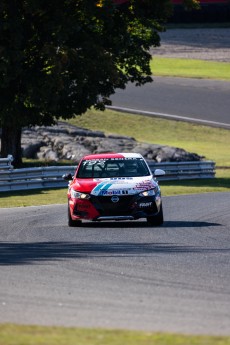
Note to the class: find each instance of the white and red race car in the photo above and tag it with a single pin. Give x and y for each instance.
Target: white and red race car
(114, 186)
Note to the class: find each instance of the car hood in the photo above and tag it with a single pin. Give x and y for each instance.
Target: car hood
(115, 186)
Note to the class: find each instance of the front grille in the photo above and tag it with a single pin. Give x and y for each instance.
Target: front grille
(106, 207)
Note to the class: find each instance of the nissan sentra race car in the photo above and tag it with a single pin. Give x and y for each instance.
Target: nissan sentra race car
(114, 186)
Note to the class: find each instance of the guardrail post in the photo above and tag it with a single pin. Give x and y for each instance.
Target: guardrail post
(5, 163)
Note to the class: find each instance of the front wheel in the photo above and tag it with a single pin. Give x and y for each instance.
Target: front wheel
(156, 220)
(72, 222)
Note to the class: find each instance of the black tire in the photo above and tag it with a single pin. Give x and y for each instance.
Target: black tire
(72, 222)
(156, 220)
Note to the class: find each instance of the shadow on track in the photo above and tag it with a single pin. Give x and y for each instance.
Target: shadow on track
(141, 224)
(43, 252)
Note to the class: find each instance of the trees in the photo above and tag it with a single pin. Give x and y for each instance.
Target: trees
(60, 57)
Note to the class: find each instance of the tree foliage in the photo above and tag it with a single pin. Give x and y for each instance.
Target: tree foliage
(191, 4)
(60, 57)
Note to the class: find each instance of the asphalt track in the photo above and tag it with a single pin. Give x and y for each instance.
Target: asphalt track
(197, 100)
(126, 275)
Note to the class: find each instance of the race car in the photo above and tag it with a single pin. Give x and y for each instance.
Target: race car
(114, 186)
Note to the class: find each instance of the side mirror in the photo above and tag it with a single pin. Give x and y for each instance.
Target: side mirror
(159, 172)
(67, 177)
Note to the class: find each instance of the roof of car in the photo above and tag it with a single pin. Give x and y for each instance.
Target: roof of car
(112, 155)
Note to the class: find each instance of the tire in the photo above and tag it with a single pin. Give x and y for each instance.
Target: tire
(156, 220)
(72, 222)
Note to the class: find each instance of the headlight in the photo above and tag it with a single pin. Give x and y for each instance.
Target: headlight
(78, 195)
(150, 192)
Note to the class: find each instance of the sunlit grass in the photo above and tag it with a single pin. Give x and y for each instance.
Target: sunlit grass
(213, 143)
(11, 334)
(33, 197)
(190, 68)
(219, 184)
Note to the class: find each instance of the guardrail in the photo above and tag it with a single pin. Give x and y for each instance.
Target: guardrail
(34, 178)
(51, 177)
(184, 170)
(5, 163)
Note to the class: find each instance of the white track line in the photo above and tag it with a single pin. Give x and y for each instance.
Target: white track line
(171, 117)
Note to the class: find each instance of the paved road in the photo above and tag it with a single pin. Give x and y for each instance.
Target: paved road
(206, 100)
(119, 275)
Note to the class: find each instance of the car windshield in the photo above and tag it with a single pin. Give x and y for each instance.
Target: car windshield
(117, 167)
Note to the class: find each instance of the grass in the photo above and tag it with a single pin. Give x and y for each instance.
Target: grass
(11, 334)
(213, 143)
(34, 197)
(190, 68)
(219, 184)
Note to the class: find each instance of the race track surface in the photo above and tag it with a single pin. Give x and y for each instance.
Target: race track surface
(126, 275)
(196, 100)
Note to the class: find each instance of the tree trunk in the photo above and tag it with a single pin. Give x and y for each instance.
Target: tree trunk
(11, 144)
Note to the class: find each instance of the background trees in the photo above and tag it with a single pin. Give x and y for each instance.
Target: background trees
(60, 57)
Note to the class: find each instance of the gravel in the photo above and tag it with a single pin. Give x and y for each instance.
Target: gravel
(211, 44)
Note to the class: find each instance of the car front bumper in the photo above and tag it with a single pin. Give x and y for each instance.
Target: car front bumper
(128, 207)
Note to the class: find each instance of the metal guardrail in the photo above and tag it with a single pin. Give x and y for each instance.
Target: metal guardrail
(5, 163)
(185, 170)
(51, 177)
(34, 178)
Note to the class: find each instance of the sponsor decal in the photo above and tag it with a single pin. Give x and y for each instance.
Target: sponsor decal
(145, 185)
(113, 192)
(122, 186)
(145, 204)
(120, 179)
(83, 207)
(101, 186)
(110, 192)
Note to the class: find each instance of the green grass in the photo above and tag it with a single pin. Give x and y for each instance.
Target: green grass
(219, 184)
(35, 197)
(213, 143)
(11, 334)
(190, 68)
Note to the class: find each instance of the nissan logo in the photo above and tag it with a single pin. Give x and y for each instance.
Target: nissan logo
(114, 198)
